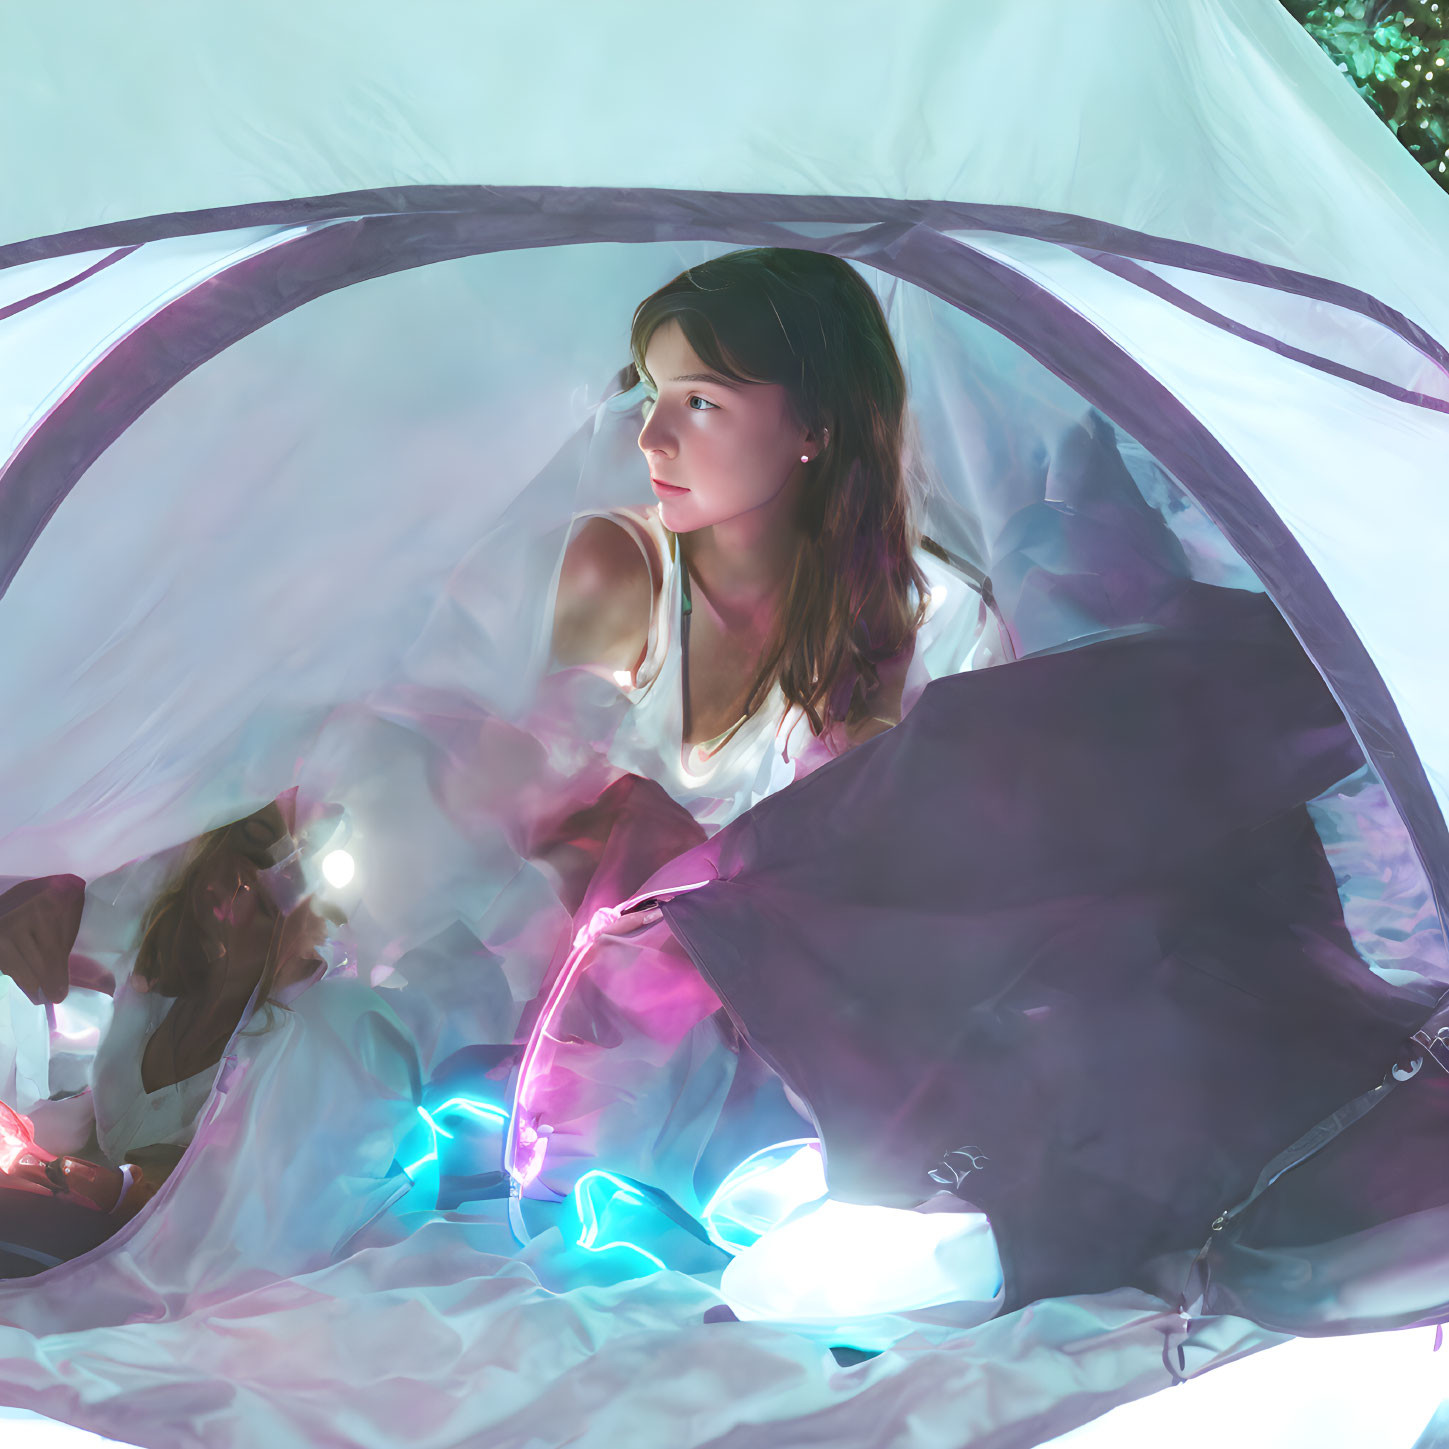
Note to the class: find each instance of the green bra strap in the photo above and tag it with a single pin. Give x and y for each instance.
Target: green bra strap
(686, 607)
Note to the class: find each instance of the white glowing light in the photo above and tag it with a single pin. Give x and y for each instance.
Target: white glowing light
(764, 1190)
(624, 678)
(845, 1260)
(1370, 1388)
(339, 867)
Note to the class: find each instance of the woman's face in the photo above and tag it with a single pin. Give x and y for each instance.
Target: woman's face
(240, 917)
(237, 917)
(715, 449)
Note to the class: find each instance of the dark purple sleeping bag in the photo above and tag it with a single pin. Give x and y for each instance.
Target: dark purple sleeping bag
(1066, 941)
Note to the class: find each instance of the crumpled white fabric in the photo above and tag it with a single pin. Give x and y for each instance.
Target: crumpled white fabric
(260, 1193)
(284, 1289)
(436, 1344)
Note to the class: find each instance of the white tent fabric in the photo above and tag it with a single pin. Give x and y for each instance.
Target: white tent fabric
(309, 338)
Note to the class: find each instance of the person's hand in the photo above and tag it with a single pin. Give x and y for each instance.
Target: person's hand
(30, 1173)
(39, 920)
(24, 1166)
(87, 1183)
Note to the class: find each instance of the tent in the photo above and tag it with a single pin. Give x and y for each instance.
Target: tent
(311, 334)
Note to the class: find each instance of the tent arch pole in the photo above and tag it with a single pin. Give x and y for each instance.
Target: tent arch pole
(899, 238)
(665, 207)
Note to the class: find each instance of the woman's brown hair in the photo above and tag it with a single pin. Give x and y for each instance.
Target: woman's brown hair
(809, 322)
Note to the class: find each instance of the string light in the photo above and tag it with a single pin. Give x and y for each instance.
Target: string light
(588, 1211)
(527, 1139)
(470, 1106)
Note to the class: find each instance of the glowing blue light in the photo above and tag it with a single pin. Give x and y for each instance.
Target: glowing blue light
(589, 1214)
(484, 1111)
(488, 1111)
(428, 1118)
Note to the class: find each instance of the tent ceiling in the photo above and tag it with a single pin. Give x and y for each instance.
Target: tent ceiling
(1210, 121)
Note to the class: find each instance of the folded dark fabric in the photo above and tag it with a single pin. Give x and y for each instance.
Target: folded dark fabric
(38, 1231)
(1063, 941)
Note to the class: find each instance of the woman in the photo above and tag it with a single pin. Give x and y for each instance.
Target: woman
(774, 611)
(1091, 874)
(775, 608)
(216, 942)
(764, 617)
(232, 933)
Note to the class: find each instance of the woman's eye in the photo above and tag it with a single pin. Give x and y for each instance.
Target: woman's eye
(693, 398)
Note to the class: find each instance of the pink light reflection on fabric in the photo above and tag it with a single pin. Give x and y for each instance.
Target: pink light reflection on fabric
(17, 1137)
(527, 1142)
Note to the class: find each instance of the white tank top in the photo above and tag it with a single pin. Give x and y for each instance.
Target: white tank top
(721, 778)
(127, 1115)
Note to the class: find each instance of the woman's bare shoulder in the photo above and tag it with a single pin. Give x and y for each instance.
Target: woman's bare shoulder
(606, 594)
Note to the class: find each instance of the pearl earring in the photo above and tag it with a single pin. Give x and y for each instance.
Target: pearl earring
(803, 458)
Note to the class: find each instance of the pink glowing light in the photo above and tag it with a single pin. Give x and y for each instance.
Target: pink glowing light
(17, 1139)
(527, 1140)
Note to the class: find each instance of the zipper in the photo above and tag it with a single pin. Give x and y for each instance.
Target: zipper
(1317, 1137)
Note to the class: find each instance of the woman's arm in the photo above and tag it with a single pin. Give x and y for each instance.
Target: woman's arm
(606, 594)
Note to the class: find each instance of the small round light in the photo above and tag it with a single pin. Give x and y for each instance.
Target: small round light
(339, 867)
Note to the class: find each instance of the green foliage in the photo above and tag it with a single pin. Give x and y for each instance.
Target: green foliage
(1396, 54)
